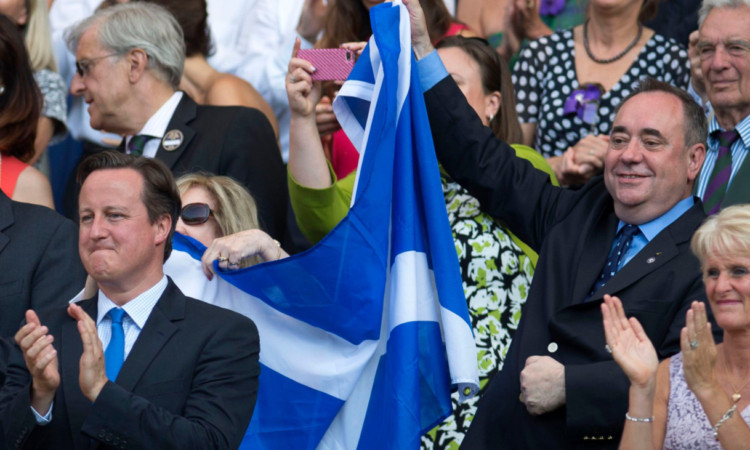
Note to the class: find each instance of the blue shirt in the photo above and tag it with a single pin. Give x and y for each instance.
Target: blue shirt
(739, 152)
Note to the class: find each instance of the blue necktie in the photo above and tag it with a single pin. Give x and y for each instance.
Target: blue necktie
(615, 257)
(115, 353)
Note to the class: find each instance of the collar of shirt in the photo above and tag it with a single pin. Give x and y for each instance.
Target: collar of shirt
(138, 309)
(743, 128)
(650, 229)
(157, 124)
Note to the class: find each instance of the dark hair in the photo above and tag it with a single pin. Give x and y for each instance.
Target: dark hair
(495, 76)
(193, 19)
(696, 128)
(160, 194)
(21, 100)
(648, 10)
(349, 21)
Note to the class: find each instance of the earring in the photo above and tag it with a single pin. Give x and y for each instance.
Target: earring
(2, 89)
(492, 116)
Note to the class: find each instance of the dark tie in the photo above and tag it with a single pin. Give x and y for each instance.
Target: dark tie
(717, 183)
(138, 143)
(115, 353)
(625, 236)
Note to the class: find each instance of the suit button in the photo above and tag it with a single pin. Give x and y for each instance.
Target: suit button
(552, 347)
(101, 434)
(585, 438)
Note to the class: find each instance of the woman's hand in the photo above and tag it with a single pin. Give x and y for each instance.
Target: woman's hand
(325, 118)
(233, 249)
(303, 93)
(527, 23)
(583, 160)
(356, 47)
(631, 349)
(699, 352)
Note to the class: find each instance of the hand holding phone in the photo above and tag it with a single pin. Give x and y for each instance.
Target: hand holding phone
(330, 63)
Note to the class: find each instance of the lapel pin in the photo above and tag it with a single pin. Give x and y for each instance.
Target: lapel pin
(172, 140)
(650, 260)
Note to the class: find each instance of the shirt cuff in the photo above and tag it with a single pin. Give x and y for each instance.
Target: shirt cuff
(431, 70)
(43, 420)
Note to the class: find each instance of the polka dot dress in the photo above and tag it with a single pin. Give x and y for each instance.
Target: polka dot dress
(545, 75)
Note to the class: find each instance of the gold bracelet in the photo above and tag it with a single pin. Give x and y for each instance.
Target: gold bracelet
(639, 419)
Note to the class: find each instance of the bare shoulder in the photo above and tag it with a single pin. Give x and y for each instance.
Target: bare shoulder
(33, 187)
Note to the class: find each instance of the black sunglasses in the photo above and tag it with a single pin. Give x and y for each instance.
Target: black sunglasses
(195, 213)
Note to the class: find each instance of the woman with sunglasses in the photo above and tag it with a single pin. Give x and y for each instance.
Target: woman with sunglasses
(221, 214)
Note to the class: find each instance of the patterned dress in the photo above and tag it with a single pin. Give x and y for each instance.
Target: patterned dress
(496, 277)
(545, 75)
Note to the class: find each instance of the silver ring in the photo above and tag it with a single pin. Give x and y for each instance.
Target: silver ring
(292, 79)
(608, 348)
(693, 345)
(221, 258)
(591, 152)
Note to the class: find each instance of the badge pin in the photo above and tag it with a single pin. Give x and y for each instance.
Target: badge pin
(651, 260)
(172, 140)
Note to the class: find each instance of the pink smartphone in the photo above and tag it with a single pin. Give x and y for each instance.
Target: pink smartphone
(330, 63)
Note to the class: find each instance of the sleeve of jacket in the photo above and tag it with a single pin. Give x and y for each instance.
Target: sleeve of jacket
(251, 156)
(217, 411)
(507, 187)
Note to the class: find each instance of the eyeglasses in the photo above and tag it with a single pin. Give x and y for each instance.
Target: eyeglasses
(84, 66)
(195, 213)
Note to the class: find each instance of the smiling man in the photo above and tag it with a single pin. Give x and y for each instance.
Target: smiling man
(724, 49)
(139, 365)
(625, 233)
(129, 61)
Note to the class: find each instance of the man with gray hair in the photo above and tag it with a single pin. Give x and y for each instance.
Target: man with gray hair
(724, 51)
(129, 62)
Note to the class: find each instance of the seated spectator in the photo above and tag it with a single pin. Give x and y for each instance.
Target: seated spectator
(698, 398)
(130, 60)
(569, 83)
(220, 213)
(139, 365)
(495, 270)
(20, 105)
(31, 18)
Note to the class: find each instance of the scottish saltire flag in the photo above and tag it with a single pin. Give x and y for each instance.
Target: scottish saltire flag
(363, 336)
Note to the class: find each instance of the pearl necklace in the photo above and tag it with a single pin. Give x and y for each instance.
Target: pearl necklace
(617, 56)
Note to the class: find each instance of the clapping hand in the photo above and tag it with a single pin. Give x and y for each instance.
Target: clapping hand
(698, 351)
(630, 346)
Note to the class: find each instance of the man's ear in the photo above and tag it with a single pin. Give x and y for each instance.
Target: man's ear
(163, 226)
(137, 62)
(696, 155)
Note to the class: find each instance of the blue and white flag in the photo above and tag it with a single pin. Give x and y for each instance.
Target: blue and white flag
(363, 336)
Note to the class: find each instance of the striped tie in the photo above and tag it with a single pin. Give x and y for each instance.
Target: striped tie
(138, 143)
(719, 180)
(625, 236)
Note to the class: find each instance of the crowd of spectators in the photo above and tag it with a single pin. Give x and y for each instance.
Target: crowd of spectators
(607, 131)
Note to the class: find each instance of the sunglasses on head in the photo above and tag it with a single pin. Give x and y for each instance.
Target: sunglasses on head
(195, 213)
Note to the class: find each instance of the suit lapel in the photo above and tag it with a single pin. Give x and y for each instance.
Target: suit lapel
(6, 219)
(183, 115)
(70, 356)
(155, 333)
(593, 257)
(739, 190)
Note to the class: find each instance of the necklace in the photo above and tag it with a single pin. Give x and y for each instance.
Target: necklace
(736, 396)
(617, 56)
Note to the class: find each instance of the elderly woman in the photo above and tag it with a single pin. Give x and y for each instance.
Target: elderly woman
(569, 83)
(221, 214)
(698, 398)
(496, 268)
(20, 105)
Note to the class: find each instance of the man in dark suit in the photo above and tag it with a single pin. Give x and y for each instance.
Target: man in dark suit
(39, 262)
(176, 372)
(129, 76)
(724, 55)
(559, 387)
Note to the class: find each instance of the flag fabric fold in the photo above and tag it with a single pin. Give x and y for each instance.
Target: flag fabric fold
(362, 336)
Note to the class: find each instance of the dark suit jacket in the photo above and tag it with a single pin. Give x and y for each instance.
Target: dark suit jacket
(39, 262)
(224, 140)
(573, 232)
(190, 381)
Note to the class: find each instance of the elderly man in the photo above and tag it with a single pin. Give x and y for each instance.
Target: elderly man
(625, 233)
(176, 372)
(724, 53)
(129, 61)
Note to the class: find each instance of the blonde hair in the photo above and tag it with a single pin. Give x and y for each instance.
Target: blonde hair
(235, 209)
(38, 38)
(726, 233)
